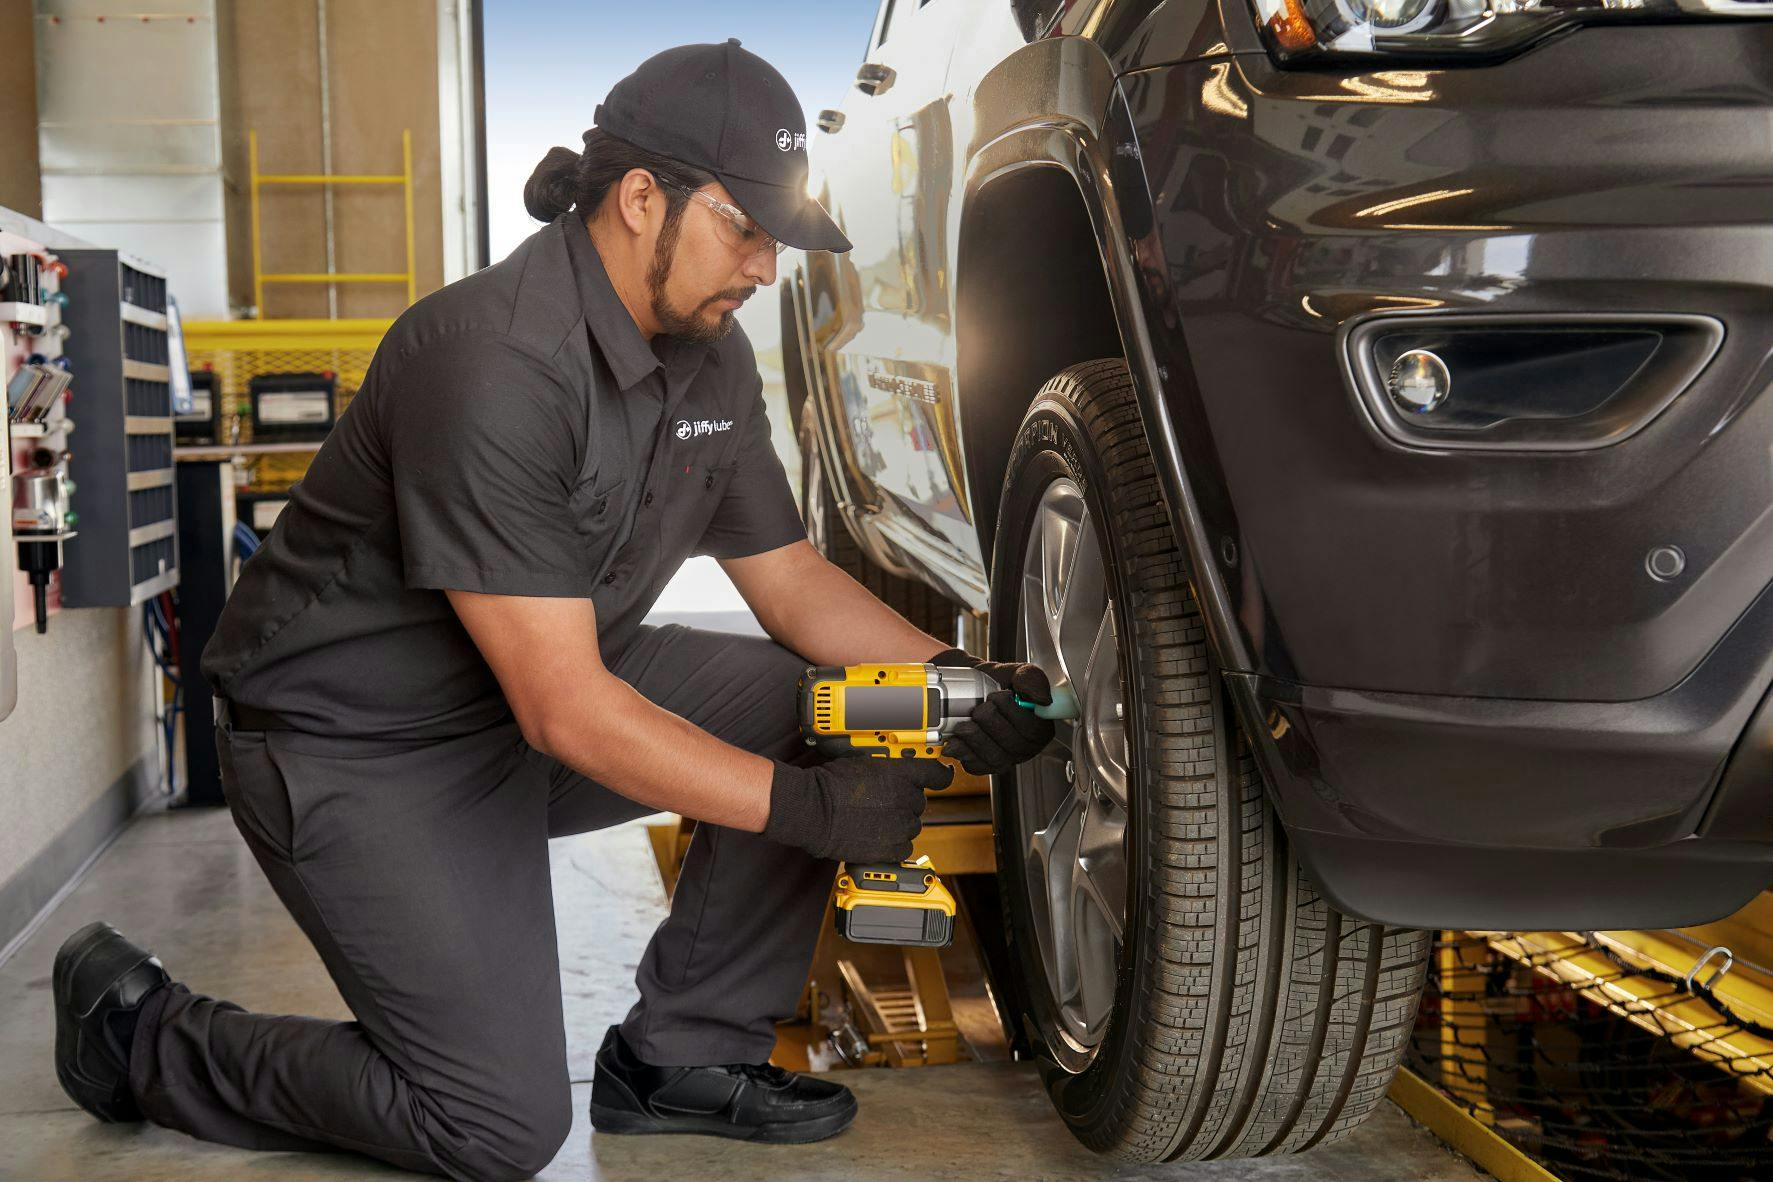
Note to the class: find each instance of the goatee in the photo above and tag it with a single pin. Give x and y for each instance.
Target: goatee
(689, 327)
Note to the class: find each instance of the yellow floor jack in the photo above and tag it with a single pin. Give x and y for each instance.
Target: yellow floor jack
(896, 712)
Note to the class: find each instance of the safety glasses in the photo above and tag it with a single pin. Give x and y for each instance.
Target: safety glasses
(735, 227)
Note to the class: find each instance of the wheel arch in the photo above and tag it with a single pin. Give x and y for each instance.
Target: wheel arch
(1015, 329)
(1022, 315)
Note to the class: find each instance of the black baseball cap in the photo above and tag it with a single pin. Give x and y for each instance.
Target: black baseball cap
(724, 109)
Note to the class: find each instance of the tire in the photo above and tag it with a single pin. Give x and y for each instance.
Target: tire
(1236, 1013)
(923, 605)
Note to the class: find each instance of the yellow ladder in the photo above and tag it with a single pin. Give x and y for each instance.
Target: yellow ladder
(403, 179)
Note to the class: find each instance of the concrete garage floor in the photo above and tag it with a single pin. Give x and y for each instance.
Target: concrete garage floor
(184, 884)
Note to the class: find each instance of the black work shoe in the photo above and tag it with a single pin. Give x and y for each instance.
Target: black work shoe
(99, 977)
(747, 1101)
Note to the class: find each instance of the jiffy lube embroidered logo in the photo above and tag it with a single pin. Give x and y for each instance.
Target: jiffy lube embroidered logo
(788, 141)
(687, 428)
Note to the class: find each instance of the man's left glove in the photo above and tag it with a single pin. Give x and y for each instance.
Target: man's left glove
(999, 734)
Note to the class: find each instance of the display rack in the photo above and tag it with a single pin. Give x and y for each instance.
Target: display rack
(127, 551)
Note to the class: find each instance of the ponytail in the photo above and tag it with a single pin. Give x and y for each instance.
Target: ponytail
(549, 191)
(568, 180)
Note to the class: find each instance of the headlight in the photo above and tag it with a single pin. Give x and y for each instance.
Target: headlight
(1305, 29)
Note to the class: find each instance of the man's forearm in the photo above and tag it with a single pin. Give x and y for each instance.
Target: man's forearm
(614, 735)
(830, 619)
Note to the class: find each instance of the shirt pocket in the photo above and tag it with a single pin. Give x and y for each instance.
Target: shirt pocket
(597, 505)
(715, 478)
(701, 503)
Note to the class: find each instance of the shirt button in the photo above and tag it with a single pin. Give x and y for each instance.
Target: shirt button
(610, 578)
(708, 482)
(602, 504)
(649, 496)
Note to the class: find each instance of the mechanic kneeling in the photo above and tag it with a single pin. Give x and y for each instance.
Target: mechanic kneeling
(437, 662)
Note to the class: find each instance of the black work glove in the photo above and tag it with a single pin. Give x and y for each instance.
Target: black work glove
(999, 734)
(859, 808)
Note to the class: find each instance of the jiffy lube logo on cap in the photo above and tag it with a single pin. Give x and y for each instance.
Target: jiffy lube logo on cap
(788, 141)
(687, 428)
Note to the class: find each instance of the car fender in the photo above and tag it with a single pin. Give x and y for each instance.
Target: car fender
(1055, 104)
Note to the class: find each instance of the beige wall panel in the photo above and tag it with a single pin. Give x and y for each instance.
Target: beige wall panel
(384, 79)
(383, 73)
(93, 666)
(276, 84)
(21, 184)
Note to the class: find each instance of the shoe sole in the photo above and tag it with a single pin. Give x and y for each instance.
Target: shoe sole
(798, 1132)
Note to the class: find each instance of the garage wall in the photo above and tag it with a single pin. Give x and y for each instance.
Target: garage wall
(127, 135)
(21, 183)
(382, 78)
(78, 754)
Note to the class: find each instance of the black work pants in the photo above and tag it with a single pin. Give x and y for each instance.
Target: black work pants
(420, 872)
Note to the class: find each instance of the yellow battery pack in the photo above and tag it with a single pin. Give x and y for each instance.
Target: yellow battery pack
(883, 903)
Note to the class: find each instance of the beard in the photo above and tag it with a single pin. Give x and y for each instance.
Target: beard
(692, 325)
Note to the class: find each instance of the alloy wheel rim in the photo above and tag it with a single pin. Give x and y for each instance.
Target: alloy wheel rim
(1073, 798)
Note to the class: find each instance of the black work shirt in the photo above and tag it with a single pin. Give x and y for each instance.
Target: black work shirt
(515, 434)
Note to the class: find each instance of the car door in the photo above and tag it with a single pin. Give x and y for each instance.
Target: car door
(889, 172)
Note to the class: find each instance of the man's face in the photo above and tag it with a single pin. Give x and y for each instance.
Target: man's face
(696, 280)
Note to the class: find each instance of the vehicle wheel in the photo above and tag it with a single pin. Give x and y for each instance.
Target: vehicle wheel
(1189, 994)
(923, 605)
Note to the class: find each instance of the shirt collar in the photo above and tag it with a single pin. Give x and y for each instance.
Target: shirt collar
(631, 358)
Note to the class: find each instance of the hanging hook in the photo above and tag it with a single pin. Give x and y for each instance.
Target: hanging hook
(1710, 955)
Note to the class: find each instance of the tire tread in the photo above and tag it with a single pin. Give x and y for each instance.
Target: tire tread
(1264, 1021)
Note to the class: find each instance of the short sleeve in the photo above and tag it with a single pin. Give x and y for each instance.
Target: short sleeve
(757, 511)
(484, 438)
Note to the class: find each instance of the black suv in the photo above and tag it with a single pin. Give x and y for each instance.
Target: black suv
(1363, 405)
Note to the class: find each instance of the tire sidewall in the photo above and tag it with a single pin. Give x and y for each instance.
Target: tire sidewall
(1052, 443)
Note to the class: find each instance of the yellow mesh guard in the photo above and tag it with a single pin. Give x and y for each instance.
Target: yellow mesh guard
(240, 350)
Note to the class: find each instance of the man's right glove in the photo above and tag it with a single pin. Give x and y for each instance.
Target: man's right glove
(857, 809)
(999, 734)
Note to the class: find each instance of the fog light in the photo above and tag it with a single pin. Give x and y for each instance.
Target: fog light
(1418, 381)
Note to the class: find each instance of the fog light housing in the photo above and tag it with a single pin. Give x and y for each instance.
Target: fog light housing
(1527, 381)
(1418, 382)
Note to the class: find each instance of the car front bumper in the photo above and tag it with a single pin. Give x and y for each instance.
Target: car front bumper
(1475, 703)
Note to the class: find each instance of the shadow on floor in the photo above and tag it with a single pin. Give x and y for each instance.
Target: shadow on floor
(185, 885)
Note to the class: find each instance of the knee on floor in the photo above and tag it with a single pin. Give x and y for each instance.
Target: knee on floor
(516, 1142)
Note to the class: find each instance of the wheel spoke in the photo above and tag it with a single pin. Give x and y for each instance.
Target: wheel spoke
(1052, 869)
(1058, 543)
(1098, 903)
(1103, 725)
(1097, 958)
(1065, 735)
(1037, 636)
(1102, 863)
(1051, 790)
(1085, 599)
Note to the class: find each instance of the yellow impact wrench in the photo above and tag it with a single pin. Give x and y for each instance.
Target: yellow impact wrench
(897, 712)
